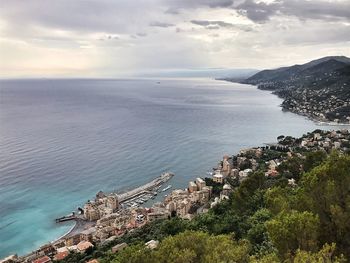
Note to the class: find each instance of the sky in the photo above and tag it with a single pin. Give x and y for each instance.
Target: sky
(116, 38)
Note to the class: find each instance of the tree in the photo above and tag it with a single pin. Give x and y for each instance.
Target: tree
(314, 159)
(201, 247)
(133, 254)
(325, 255)
(294, 230)
(291, 168)
(257, 233)
(325, 191)
(249, 196)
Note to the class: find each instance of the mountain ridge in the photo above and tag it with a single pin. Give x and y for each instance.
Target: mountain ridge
(319, 89)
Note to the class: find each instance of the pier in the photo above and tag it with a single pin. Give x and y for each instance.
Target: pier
(147, 188)
(65, 218)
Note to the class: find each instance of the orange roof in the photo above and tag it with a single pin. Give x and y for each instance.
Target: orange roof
(93, 261)
(129, 225)
(84, 245)
(61, 255)
(44, 259)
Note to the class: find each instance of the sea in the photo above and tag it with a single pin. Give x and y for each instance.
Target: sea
(63, 140)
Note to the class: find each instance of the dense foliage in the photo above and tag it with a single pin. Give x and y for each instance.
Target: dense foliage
(265, 220)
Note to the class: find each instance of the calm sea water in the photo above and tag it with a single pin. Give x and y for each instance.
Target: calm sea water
(61, 141)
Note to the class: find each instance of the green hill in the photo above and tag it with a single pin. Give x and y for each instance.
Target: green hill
(266, 218)
(319, 89)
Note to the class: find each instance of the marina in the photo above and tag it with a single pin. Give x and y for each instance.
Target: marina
(145, 190)
(129, 199)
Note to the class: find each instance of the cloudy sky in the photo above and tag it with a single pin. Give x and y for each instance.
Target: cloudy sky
(115, 38)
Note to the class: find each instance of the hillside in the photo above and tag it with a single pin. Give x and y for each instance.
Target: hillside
(292, 207)
(319, 89)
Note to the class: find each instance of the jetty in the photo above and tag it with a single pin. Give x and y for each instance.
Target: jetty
(65, 218)
(146, 188)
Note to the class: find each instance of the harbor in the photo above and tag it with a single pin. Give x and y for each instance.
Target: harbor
(117, 200)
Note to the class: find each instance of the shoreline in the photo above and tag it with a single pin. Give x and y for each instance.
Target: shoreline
(315, 120)
(65, 234)
(75, 224)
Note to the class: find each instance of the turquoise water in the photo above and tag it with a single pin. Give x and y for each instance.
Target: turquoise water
(61, 141)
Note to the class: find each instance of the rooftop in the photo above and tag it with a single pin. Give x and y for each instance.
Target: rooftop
(84, 245)
(44, 259)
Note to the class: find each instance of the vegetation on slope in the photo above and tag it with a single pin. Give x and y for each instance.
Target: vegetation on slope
(319, 89)
(265, 220)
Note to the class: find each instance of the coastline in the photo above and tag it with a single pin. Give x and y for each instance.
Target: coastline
(66, 234)
(307, 116)
(227, 167)
(73, 227)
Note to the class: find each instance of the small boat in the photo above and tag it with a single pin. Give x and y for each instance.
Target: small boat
(166, 188)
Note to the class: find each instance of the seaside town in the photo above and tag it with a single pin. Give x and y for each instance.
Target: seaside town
(307, 102)
(110, 216)
(318, 89)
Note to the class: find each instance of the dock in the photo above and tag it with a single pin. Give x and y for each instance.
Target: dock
(146, 188)
(65, 218)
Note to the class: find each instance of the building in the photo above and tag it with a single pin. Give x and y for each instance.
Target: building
(84, 245)
(192, 187)
(152, 244)
(291, 182)
(200, 183)
(119, 247)
(218, 178)
(91, 211)
(72, 240)
(227, 165)
(317, 136)
(183, 208)
(86, 235)
(61, 255)
(100, 195)
(215, 202)
(44, 259)
(234, 173)
(47, 249)
(157, 214)
(112, 202)
(10, 259)
(244, 174)
(227, 190)
(337, 145)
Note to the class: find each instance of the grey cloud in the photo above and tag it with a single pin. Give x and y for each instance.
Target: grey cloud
(141, 34)
(303, 9)
(316, 9)
(183, 4)
(172, 11)
(161, 24)
(213, 22)
(257, 12)
(216, 24)
(174, 6)
(83, 16)
(213, 27)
